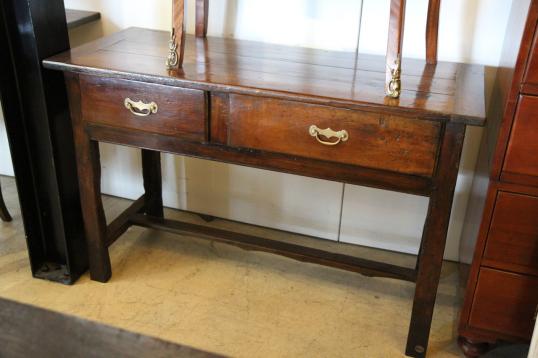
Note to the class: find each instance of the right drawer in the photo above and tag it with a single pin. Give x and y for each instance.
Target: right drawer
(512, 242)
(505, 302)
(521, 161)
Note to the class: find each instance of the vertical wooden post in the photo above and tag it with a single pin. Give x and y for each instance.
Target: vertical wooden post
(394, 48)
(151, 171)
(177, 37)
(202, 11)
(432, 31)
(430, 257)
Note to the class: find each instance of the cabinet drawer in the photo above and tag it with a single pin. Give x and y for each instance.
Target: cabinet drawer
(505, 302)
(512, 242)
(521, 161)
(180, 112)
(531, 73)
(374, 140)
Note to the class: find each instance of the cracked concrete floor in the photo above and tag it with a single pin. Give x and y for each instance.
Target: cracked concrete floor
(226, 300)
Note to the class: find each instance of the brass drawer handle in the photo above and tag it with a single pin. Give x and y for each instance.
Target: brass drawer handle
(140, 108)
(328, 133)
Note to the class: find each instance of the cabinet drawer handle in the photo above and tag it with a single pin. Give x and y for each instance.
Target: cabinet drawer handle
(140, 108)
(328, 133)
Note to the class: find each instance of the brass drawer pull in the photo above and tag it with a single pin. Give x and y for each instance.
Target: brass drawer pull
(140, 108)
(328, 133)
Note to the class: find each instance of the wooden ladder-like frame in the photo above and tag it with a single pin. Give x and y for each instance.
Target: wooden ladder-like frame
(394, 43)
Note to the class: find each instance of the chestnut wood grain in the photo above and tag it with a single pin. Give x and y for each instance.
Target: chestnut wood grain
(202, 14)
(178, 29)
(252, 104)
(376, 141)
(521, 161)
(512, 242)
(180, 111)
(501, 222)
(453, 92)
(432, 31)
(396, 36)
(513, 298)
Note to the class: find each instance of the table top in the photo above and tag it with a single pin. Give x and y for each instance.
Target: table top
(445, 92)
(76, 18)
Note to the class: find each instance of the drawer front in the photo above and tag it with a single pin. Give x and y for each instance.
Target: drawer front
(374, 140)
(180, 112)
(505, 302)
(531, 73)
(521, 161)
(512, 242)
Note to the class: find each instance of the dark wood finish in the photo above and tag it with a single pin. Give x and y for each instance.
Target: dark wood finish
(181, 112)
(297, 252)
(36, 114)
(434, 238)
(376, 141)
(513, 298)
(521, 161)
(432, 31)
(472, 349)
(28, 331)
(258, 104)
(4, 213)
(396, 36)
(512, 242)
(500, 231)
(448, 93)
(151, 172)
(89, 174)
(178, 29)
(77, 18)
(274, 161)
(531, 73)
(202, 15)
(120, 225)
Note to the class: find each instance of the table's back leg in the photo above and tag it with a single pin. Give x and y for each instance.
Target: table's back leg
(89, 175)
(151, 169)
(4, 214)
(430, 257)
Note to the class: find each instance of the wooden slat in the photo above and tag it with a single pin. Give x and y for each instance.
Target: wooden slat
(297, 252)
(432, 31)
(202, 13)
(396, 34)
(178, 25)
(117, 227)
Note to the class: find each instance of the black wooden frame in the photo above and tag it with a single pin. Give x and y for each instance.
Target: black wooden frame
(39, 130)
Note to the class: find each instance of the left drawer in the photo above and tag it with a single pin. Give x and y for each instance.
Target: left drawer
(152, 108)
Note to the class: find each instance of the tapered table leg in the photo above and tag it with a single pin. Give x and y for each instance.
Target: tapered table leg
(151, 169)
(434, 238)
(89, 175)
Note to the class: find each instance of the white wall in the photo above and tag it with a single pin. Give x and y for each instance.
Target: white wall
(470, 31)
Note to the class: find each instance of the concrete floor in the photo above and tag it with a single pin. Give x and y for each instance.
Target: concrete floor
(226, 300)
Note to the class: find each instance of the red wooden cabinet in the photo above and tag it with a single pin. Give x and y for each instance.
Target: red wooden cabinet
(502, 288)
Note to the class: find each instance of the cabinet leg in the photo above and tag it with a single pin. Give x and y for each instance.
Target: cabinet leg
(151, 169)
(4, 214)
(430, 257)
(472, 349)
(89, 176)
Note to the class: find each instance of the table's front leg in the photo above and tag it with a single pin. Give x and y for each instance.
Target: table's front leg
(152, 173)
(432, 248)
(89, 175)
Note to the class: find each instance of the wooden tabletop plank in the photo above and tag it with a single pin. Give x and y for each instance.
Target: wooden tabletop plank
(446, 91)
(76, 18)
